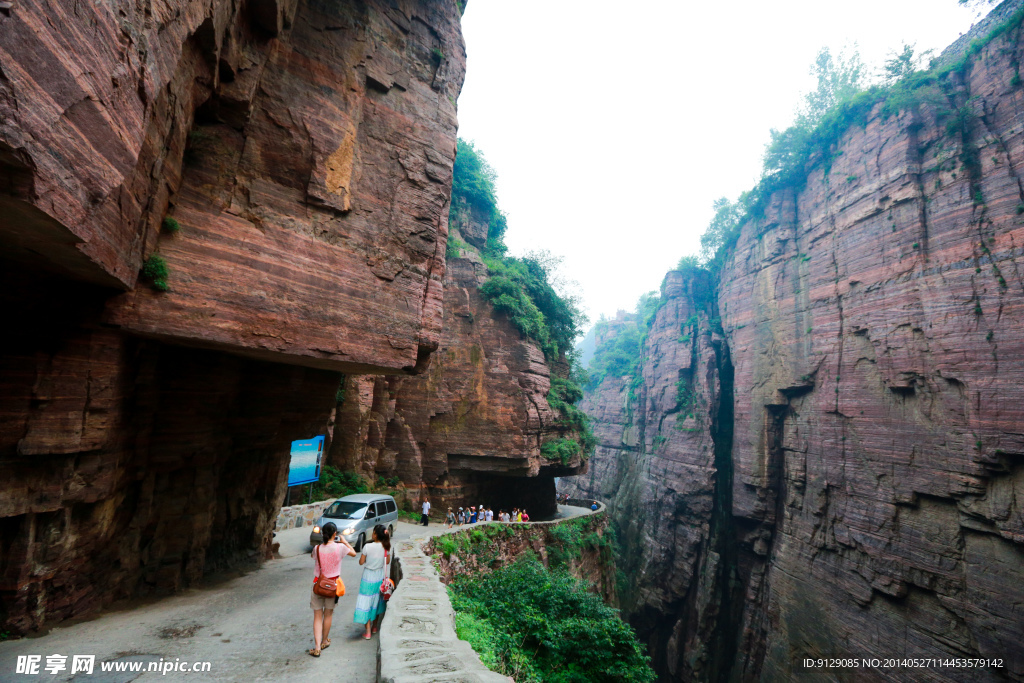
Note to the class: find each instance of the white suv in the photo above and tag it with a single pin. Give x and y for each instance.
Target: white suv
(355, 516)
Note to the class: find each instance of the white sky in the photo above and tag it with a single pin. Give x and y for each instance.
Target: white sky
(614, 126)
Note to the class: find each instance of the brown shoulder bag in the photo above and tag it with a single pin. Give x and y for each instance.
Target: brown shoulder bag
(325, 586)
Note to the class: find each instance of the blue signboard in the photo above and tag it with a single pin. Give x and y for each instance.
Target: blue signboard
(306, 455)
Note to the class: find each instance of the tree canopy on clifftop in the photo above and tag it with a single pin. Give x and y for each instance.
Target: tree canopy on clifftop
(845, 97)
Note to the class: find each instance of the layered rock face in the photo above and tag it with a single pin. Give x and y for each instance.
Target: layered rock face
(874, 328)
(870, 493)
(303, 152)
(468, 431)
(318, 141)
(655, 465)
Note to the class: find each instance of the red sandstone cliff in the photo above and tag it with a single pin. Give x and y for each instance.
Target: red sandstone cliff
(470, 429)
(867, 502)
(655, 465)
(875, 333)
(305, 149)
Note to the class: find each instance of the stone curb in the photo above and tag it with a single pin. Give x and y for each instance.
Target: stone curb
(417, 641)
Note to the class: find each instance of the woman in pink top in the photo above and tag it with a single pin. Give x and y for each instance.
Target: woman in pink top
(326, 562)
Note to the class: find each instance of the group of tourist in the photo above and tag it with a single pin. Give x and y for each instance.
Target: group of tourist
(374, 586)
(516, 516)
(472, 515)
(475, 514)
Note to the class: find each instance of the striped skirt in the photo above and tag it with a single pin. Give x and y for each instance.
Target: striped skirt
(369, 606)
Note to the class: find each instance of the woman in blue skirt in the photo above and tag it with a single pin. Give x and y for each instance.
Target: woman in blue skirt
(376, 564)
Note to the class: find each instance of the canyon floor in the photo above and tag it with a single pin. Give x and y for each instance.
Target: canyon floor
(254, 627)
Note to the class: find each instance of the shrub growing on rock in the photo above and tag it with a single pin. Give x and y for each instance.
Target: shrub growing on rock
(156, 271)
(537, 625)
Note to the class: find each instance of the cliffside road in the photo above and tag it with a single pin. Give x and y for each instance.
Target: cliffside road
(256, 627)
(253, 628)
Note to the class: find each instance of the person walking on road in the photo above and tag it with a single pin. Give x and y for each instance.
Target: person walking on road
(376, 561)
(425, 519)
(462, 517)
(326, 562)
(449, 519)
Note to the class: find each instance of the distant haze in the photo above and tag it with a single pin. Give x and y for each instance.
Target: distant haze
(613, 127)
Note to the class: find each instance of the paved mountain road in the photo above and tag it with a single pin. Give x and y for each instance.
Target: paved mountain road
(253, 628)
(256, 627)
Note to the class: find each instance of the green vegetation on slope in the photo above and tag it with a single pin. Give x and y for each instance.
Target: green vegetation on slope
(620, 356)
(522, 289)
(336, 483)
(542, 626)
(574, 536)
(473, 184)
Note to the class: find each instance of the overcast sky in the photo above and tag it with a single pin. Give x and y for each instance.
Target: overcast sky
(614, 126)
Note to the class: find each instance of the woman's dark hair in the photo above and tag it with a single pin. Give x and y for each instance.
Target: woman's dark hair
(382, 536)
(327, 532)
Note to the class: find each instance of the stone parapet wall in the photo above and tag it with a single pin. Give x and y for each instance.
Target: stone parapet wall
(295, 516)
(417, 641)
(585, 503)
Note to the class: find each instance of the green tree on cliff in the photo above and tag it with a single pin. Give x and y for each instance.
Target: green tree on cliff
(473, 180)
(827, 112)
(620, 355)
(900, 65)
(724, 228)
(838, 79)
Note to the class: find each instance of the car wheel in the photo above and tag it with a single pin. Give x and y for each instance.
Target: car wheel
(391, 531)
(359, 542)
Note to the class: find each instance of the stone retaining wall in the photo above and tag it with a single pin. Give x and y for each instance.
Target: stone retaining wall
(585, 503)
(296, 516)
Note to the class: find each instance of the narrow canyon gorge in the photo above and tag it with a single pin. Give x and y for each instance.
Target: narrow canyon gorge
(822, 452)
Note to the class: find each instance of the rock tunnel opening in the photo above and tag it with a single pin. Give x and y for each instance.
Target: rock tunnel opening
(499, 492)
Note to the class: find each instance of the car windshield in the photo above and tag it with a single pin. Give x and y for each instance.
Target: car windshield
(345, 509)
